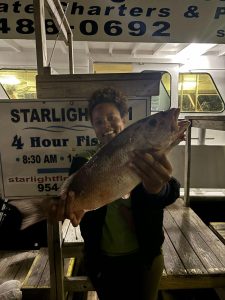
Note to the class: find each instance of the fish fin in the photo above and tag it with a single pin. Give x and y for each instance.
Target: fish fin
(31, 210)
(31, 220)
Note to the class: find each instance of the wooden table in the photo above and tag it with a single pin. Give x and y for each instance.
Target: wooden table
(194, 256)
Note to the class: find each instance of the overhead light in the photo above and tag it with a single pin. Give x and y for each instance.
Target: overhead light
(194, 50)
(9, 79)
(187, 85)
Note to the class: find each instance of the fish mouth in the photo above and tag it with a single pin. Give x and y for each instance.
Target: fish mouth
(175, 114)
(179, 125)
(182, 125)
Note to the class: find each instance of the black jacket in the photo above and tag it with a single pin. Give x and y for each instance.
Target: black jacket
(148, 220)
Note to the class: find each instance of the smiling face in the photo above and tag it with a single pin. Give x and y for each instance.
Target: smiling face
(107, 122)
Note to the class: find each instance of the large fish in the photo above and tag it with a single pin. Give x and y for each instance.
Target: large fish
(107, 176)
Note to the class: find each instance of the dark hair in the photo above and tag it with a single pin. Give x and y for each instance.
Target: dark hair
(108, 95)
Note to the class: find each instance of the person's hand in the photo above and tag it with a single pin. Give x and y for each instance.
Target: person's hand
(55, 208)
(64, 207)
(68, 197)
(154, 170)
(71, 212)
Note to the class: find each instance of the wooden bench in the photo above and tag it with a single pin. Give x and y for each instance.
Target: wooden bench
(193, 254)
(32, 267)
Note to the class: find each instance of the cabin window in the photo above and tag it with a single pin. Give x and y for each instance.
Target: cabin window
(198, 93)
(19, 84)
(162, 101)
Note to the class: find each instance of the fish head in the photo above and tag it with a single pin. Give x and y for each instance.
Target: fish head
(162, 130)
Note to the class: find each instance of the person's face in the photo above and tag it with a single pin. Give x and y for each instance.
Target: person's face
(107, 122)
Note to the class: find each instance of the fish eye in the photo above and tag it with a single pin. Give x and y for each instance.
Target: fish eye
(152, 122)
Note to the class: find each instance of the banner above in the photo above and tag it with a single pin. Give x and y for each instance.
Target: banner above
(155, 21)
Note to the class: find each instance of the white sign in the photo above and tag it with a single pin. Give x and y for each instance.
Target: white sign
(38, 139)
(155, 21)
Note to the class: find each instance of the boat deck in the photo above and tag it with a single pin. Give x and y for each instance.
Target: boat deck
(193, 254)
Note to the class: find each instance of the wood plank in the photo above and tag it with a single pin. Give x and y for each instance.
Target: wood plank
(73, 234)
(44, 281)
(56, 260)
(172, 261)
(65, 228)
(10, 265)
(194, 237)
(219, 229)
(73, 243)
(26, 264)
(78, 284)
(174, 282)
(4, 262)
(216, 246)
(14, 265)
(36, 272)
(73, 249)
(191, 261)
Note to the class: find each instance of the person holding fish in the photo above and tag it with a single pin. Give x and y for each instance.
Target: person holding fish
(123, 238)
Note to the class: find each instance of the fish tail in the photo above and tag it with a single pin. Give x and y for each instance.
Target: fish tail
(31, 220)
(32, 210)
